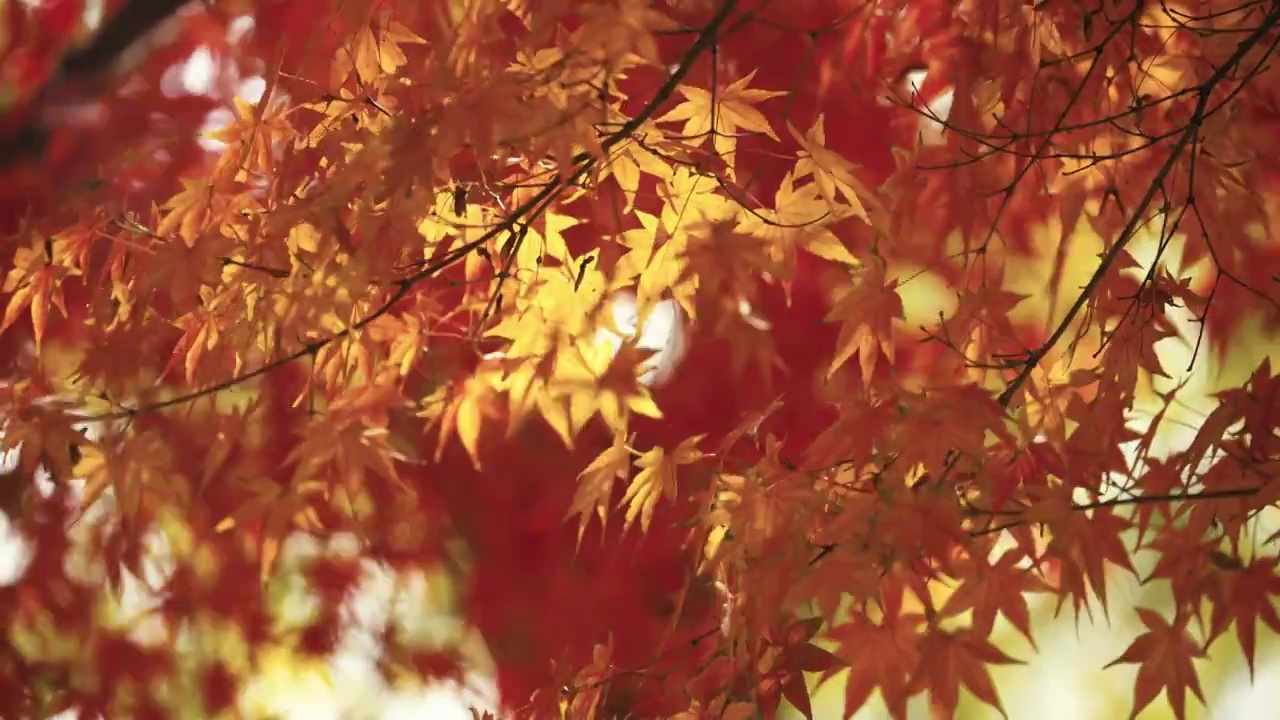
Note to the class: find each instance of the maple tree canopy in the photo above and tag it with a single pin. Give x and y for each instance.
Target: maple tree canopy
(709, 348)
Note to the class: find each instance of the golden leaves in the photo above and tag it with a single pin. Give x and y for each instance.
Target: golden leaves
(372, 55)
(44, 430)
(35, 282)
(612, 31)
(277, 510)
(600, 378)
(404, 334)
(833, 173)
(546, 245)
(743, 508)
(722, 115)
(628, 164)
(252, 139)
(202, 332)
(476, 400)
(435, 147)
(136, 467)
(595, 484)
(657, 479)
(800, 219)
(349, 441)
(188, 212)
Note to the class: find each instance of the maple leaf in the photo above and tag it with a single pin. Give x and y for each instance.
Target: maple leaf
(833, 174)
(546, 243)
(792, 656)
(593, 681)
(371, 58)
(464, 414)
(879, 655)
(1247, 599)
(629, 164)
(951, 660)
(867, 312)
(345, 446)
(36, 283)
(252, 139)
(188, 211)
(1085, 545)
(1165, 656)
(595, 484)
(617, 30)
(722, 115)
(201, 332)
(656, 479)
(43, 432)
(598, 378)
(1002, 589)
(799, 220)
(273, 512)
(135, 469)
(403, 335)
(945, 424)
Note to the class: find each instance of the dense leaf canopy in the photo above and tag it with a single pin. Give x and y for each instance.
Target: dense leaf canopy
(707, 348)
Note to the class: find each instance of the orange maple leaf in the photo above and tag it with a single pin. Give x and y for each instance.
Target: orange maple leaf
(867, 313)
(1165, 654)
(1248, 593)
(949, 660)
(889, 667)
(793, 656)
(1002, 589)
(35, 282)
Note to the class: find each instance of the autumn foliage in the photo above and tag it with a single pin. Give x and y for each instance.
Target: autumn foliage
(409, 291)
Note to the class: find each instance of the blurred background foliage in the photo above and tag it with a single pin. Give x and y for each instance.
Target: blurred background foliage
(1063, 676)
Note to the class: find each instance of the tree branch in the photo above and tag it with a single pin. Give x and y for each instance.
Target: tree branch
(584, 162)
(1191, 132)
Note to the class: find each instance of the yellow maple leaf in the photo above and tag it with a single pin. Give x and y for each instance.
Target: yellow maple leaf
(622, 30)
(136, 469)
(830, 170)
(800, 218)
(627, 164)
(595, 378)
(691, 205)
(620, 390)
(733, 112)
(188, 211)
(251, 138)
(370, 56)
(303, 237)
(595, 484)
(404, 337)
(657, 479)
(465, 414)
(545, 243)
(34, 282)
(279, 510)
(200, 334)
